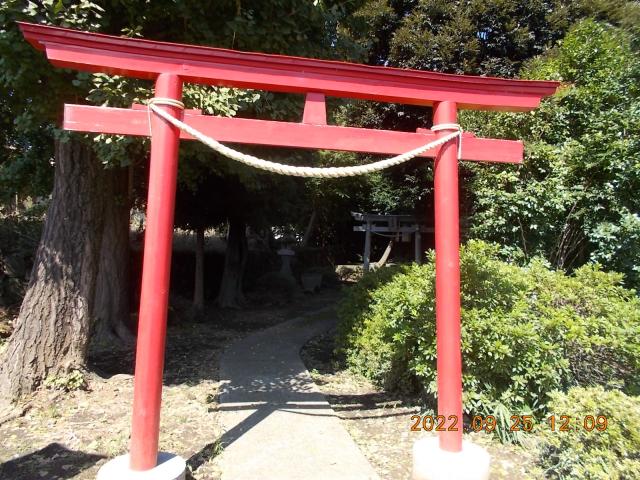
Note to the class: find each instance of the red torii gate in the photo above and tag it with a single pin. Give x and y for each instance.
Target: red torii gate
(170, 64)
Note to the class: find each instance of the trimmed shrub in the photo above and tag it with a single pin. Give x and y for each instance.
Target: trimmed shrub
(526, 331)
(611, 453)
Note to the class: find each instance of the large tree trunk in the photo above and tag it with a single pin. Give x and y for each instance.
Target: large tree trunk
(198, 288)
(235, 260)
(111, 307)
(52, 329)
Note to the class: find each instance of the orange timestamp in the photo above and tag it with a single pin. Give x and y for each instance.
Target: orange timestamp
(518, 423)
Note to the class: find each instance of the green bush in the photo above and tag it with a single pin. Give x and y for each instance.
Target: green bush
(526, 331)
(610, 454)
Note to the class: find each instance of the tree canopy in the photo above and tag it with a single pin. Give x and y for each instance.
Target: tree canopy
(588, 128)
(575, 198)
(494, 37)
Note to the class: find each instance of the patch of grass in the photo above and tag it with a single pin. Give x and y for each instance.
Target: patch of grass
(115, 446)
(210, 398)
(74, 380)
(206, 455)
(52, 411)
(216, 449)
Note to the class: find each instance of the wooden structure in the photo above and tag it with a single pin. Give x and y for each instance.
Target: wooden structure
(389, 225)
(170, 65)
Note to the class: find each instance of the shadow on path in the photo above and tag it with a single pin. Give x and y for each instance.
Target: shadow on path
(277, 423)
(52, 461)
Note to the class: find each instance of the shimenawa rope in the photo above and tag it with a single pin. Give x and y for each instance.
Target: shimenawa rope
(296, 171)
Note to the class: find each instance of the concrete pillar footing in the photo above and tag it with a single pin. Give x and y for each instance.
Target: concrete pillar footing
(169, 467)
(432, 463)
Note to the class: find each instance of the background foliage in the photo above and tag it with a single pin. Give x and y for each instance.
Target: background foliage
(495, 37)
(612, 454)
(574, 200)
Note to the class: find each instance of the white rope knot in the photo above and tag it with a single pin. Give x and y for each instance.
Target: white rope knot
(446, 126)
(451, 126)
(315, 172)
(171, 102)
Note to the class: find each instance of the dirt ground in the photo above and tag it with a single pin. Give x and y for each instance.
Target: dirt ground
(380, 422)
(69, 435)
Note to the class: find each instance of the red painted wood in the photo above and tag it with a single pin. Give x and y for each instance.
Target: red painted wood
(447, 239)
(315, 109)
(156, 268)
(126, 121)
(140, 58)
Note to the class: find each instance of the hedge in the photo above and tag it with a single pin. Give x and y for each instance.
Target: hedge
(526, 331)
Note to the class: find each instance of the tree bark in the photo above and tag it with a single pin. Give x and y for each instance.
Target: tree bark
(198, 289)
(111, 306)
(235, 260)
(52, 329)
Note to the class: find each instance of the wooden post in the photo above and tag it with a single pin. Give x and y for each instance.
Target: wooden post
(447, 236)
(156, 267)
(367, 247)
(418, 245)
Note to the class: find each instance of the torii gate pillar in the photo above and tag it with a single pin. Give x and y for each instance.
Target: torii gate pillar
(154, 294)
(447, 243)
(144, 460)
(448, 456)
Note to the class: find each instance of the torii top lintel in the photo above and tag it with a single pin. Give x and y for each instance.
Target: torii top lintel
(147, 59)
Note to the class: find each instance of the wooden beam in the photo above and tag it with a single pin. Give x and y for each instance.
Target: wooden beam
(375, 217)
(386, 229)
(135, 57)
(127, 121)
(315, 109)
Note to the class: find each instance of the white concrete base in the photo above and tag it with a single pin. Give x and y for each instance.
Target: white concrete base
(432, 463)
(170, 467)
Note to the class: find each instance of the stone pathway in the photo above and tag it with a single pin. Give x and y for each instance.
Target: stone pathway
(278, 425)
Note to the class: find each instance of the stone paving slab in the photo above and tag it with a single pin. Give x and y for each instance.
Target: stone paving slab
(278, 425)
